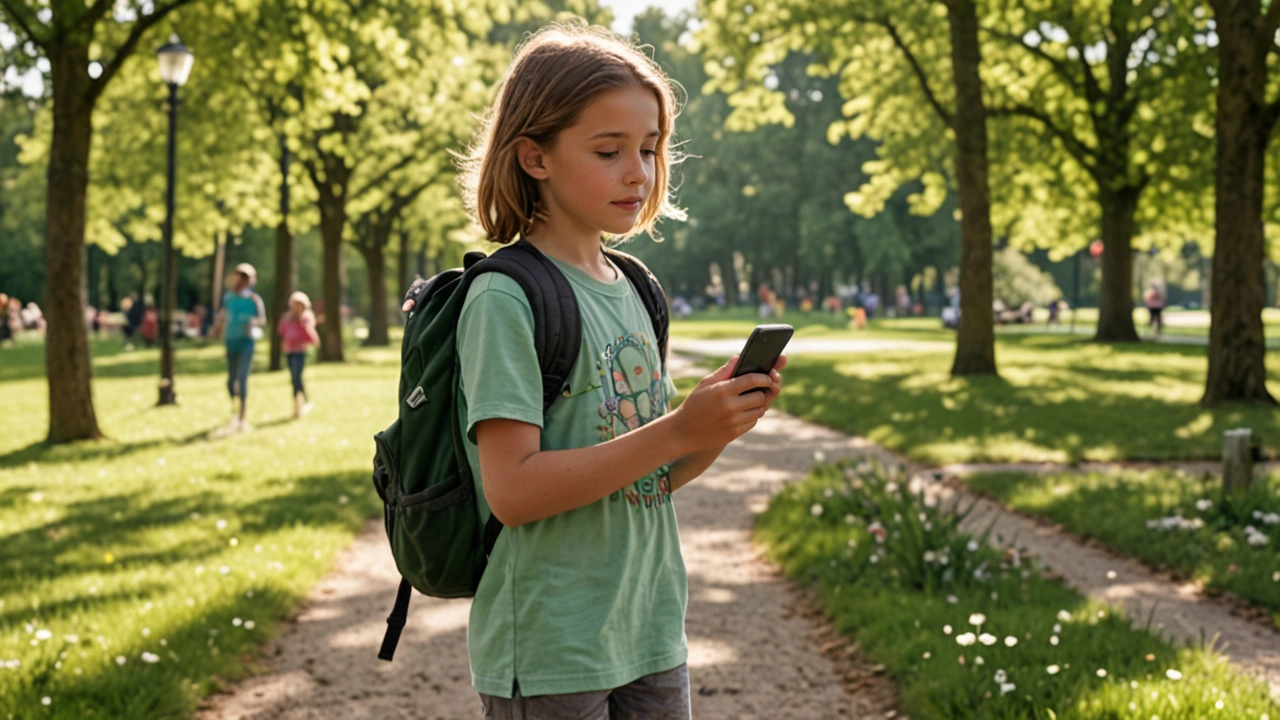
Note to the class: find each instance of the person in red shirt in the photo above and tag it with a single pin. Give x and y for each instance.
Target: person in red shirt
(297, 328)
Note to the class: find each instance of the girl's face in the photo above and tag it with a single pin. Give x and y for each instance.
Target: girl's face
(599, 172)
(297, 307)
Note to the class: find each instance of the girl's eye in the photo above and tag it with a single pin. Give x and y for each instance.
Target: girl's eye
(608, 155)
(650, 152)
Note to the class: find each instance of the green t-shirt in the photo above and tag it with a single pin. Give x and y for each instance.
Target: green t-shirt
(593, 598)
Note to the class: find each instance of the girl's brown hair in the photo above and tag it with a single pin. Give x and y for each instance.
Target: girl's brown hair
(556, 73)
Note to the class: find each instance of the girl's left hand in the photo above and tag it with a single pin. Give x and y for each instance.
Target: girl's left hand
(775, 384)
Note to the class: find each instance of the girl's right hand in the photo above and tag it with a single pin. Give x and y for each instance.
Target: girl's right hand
(717, 412)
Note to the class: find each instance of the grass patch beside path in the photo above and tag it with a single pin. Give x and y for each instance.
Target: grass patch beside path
(1057, 399)
(970, 632)
(1198, 533)
(142, 572)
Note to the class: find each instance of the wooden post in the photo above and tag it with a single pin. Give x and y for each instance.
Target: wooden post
(1237, 460)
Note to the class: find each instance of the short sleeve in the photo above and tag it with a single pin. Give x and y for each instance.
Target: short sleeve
(496, 354)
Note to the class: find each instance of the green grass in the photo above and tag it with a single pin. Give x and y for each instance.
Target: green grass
(1057, 399)
(1116, 507)
(737, 323)
(908, 609)
(162, 541)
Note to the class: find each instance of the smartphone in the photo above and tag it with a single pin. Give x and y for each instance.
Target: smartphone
(762, 350)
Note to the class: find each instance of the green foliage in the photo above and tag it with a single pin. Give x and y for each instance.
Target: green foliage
(972, 631)
(1016, 280)
(1169, 519)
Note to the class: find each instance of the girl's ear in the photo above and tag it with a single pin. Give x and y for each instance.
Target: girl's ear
(532, 158)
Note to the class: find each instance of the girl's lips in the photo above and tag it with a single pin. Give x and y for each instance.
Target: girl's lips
(629, 206)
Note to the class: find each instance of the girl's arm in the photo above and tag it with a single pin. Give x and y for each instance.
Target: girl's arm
(309, 322)
(218, 322)
(688, 467)
(523, 483)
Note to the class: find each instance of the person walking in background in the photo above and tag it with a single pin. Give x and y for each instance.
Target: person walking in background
(240, 323)
(1154, 300)
(297, 328)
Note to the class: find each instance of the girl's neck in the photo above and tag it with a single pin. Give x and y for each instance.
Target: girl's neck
(577, 249)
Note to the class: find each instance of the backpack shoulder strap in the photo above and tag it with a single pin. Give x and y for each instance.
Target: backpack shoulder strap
(557, 328)
(651, 294)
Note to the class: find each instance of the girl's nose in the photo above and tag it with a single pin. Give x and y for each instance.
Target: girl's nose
(637, 171)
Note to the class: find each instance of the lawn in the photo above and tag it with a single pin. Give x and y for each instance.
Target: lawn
(1169, 519)
(143, 571)
(970, 631)
(1057, 399)
(737, 322)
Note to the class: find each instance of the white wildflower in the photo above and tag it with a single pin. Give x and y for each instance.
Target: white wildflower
(148, 657)
(1010, 641)
(221, 525)
(43, 634)
(46, 700)
(1173, 674)
(977, 619)
(987, 639)
(930, 556)
(979, 661)
(946, 629)
(1006, 688)
(972, 546)
(1001, 676)
(952, 599)
(1053, 640)
(966, 639)
(1204, 504)
(120, 660)
(1052, 669)
(1102, 672)
(1064, 616)
(816, 510)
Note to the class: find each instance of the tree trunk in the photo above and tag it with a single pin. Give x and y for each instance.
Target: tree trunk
(404, 273)
(1115, 304)
(285, 259)
(975, 337)
(67, 363)
(333, 218)
(1237, 346)
(375, 260)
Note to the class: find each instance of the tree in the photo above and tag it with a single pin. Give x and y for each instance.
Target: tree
(74, 36)
(1118, 87)
(1246, 120)
(877, 48)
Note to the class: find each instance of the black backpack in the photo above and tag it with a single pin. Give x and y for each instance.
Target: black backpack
(420, 465)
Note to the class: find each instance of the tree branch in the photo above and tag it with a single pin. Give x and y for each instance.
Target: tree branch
(26, 21)
(1061, 67)
(96, 12)
(130, 44)
(1085, 155)
(375, 181)
(919, 71)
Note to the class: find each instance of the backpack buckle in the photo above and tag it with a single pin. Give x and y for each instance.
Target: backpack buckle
(416, 398)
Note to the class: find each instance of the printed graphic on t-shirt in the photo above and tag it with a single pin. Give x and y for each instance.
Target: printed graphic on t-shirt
(631, 393)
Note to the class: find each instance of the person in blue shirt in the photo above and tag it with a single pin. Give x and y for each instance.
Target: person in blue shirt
(240, 323)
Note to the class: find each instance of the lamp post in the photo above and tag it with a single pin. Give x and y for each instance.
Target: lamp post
(175, 65)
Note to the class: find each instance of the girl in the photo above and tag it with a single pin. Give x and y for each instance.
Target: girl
(581, 610)
(240, 323)
(297, 328)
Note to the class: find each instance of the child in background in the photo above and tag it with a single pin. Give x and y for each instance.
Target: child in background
(581, 610)
(240, 324)
(297, 328)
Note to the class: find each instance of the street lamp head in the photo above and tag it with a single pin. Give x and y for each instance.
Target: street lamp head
(175, 61)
